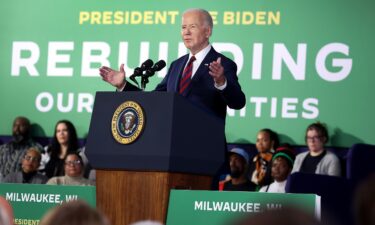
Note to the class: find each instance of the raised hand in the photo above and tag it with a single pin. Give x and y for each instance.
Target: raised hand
(217, 72)
(114, 77)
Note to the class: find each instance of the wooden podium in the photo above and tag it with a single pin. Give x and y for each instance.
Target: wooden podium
(180, 147)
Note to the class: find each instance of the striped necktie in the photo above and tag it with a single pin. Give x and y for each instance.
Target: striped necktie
(186, 77)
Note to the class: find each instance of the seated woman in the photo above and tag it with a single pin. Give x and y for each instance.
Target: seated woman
(29, 173)
(317, 160)
(64, 141)
(282, 164)
(260, 168)
(73, 167)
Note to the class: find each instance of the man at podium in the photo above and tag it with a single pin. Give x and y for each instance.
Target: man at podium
(205, 77)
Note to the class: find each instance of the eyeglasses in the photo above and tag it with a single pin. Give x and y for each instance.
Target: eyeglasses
(73, 163)
(30, 158)
(314, 138)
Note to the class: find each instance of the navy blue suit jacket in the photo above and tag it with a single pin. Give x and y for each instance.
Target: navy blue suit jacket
(202, 91)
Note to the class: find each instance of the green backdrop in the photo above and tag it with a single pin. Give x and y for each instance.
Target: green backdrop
(298, 61)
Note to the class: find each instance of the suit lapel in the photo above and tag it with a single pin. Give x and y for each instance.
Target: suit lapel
(202, 69)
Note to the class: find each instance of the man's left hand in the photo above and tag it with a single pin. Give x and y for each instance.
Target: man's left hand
(217, 72)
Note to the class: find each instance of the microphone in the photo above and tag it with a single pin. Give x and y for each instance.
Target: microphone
(157, 67)
(146, 64)
(139, 70)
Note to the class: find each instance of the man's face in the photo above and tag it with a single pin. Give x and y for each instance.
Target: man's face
(20, 129)
(237, 165)
(280, 169)
(31, 161)
(194, 31)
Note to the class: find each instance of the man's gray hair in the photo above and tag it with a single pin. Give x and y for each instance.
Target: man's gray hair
(206, 15)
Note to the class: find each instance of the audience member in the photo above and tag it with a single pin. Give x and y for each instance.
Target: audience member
(260, 169)
(6, 212)
(239, 167)
(11, 153)
(64, 141)
(29, 173)
(282, 164)
(74, 213)
(364, 202)
(317, 160)
(73, 167)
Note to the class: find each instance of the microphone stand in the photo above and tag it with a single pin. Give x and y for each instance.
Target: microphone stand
(134, 80)
(137, 72)
(144, 81)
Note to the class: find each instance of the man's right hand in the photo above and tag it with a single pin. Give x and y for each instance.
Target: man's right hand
(114, 77)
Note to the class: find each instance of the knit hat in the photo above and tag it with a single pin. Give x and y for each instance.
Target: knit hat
(285, 152)
(241, 152)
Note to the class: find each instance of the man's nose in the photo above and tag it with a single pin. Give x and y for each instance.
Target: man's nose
(187, 31)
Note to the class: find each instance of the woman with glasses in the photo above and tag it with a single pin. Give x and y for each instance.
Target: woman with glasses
(64, 141)
(317, 160)
(29, 173)
(73, 168)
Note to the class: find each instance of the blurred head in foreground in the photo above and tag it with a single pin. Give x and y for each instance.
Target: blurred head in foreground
(74, 213)
(6, 212)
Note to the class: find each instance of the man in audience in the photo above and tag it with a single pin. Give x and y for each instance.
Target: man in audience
(282, 164)
(29, 174)
(12, 152)
(239, 167)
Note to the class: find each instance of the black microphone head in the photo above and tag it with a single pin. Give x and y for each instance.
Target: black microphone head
(159, 65)
(137, 71)
(149, 72)
(147, 64)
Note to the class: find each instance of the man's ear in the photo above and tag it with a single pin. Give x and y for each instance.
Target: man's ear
(208, 32)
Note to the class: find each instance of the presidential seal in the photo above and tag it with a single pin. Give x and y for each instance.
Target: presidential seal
(127, 122)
